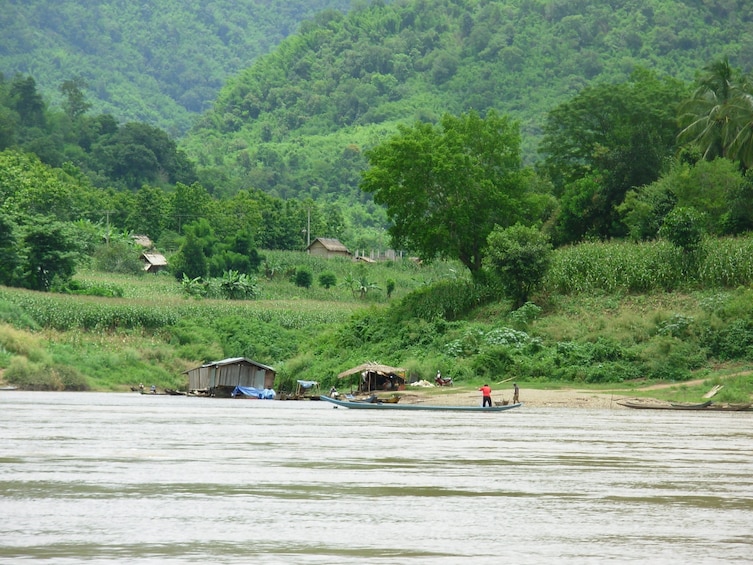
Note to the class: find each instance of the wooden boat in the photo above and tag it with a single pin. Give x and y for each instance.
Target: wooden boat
(398, 406)
(707, 406)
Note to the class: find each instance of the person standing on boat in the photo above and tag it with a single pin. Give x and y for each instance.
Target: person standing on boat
(486, 392)
(515, 393)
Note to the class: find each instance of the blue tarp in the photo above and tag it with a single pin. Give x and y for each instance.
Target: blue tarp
(307, 384)
(263, 394)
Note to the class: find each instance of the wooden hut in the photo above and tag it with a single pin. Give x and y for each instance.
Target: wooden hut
(328, 247)
(374, 376)
(219, 378)
(153, 262)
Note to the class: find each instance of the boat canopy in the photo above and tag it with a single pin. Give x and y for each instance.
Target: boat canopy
(308, 384)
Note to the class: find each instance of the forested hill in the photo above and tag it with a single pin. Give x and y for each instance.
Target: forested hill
(296, 122)
(156, 62)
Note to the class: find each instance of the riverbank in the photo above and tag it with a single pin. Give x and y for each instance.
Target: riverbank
(558, 398)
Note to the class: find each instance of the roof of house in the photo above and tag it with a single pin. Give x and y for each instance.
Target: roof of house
(372, 368)
(330, 244)
(233, 361)
(155, 259)
(143, 241)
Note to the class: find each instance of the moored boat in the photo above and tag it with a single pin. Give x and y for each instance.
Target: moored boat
(707, 406)
(398, 406)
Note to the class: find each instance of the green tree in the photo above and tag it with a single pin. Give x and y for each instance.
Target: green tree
(75, 103)
(50, 253)
(189, 203)
(139, 153)
(28, 102)
(714, 189)
(191, 261)
(717, 119)
(519, 257)
(704, 115)
(624, 132)
(8, 250)
(446, 186)
(150, 214)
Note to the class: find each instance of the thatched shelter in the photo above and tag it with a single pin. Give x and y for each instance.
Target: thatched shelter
(328, 247)
(375, 376)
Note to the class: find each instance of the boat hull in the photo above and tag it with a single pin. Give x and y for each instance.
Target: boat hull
(429, 407)
(703, 407)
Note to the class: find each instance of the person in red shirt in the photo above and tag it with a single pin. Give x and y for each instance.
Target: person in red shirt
(486, 391)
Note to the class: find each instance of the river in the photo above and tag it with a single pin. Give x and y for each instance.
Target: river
(102, 478)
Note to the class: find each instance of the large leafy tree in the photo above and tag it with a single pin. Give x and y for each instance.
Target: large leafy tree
(446, 186)
(51, 253)
(139, 153)
(624, 132)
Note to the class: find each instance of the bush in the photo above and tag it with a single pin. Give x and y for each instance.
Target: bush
(28, 375)
(734, 341)
(303, 278)
(327, 280)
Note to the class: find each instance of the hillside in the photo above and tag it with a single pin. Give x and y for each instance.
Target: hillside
(297, 121)
(161, 64)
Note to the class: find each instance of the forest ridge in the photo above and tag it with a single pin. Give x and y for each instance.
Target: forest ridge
(297, 122)
(157, 63)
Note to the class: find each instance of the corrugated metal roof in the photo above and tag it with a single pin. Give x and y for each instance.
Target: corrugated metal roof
(155, 259)
(234, 360)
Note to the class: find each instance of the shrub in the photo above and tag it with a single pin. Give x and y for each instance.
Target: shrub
(390, 287)
(734, 341)
(327, 280)
(303, 278)
(494, 362)
(28, 375)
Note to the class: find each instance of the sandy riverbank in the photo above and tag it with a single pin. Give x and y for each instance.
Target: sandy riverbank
(562, 398)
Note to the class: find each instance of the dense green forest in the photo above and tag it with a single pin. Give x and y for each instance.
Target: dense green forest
(297, 122)
(161, 64)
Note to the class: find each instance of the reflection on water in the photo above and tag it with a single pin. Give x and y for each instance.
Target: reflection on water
(125, 477)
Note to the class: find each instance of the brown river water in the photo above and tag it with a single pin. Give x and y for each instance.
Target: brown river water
(103, 478)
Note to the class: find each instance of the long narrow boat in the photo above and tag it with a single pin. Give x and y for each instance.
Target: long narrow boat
(702, 407)
(398, 406)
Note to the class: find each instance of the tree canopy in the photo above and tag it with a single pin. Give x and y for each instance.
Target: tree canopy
(446, 186)
(618, 136)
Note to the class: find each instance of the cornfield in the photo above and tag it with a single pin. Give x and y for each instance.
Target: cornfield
(615, 267)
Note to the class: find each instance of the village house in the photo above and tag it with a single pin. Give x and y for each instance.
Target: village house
(328, 247)
(220, 378)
